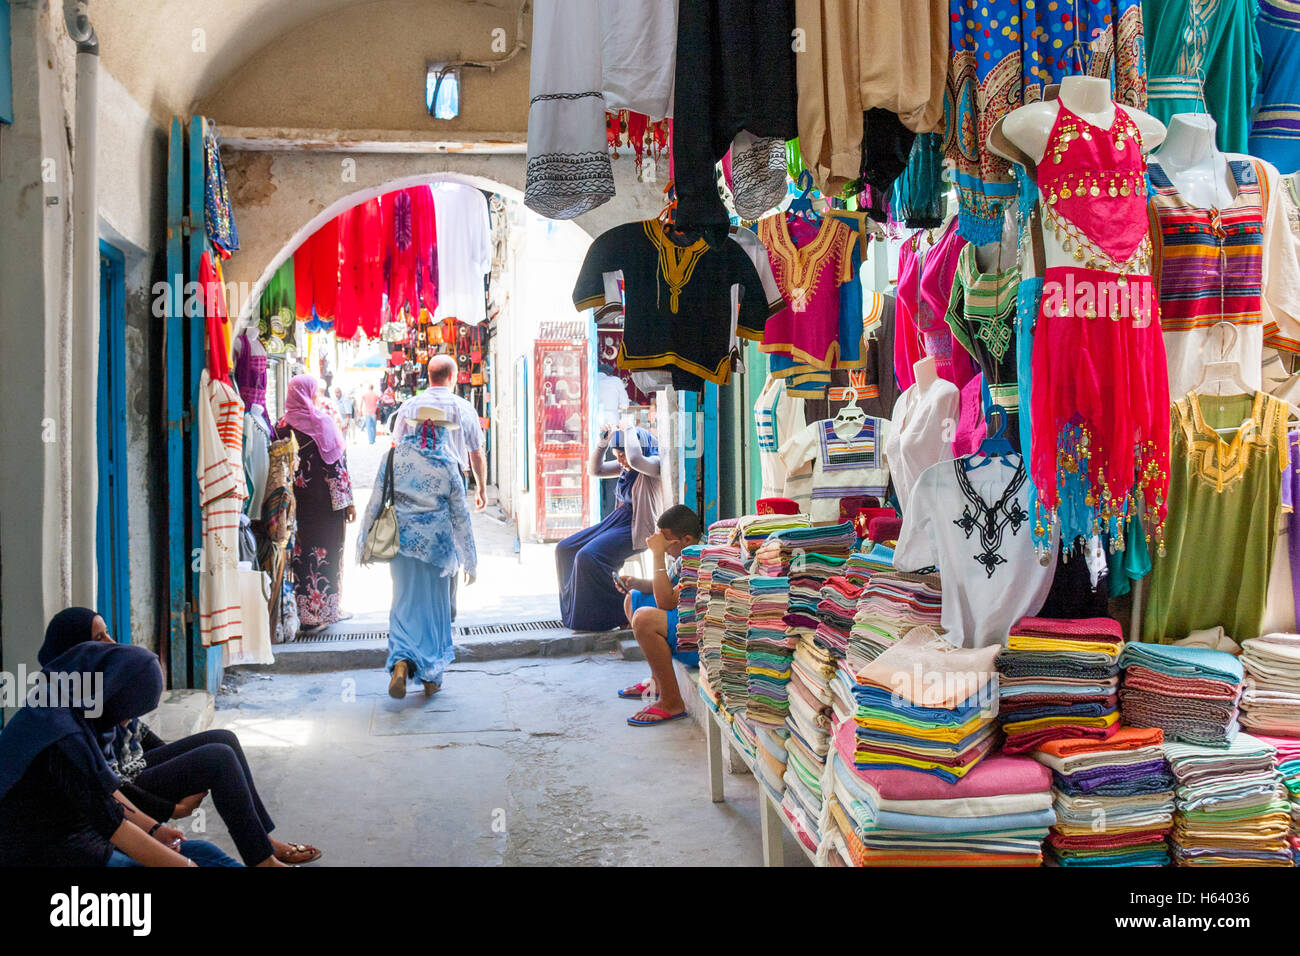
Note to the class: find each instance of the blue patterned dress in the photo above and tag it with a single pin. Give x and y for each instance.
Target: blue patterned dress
(435, 541)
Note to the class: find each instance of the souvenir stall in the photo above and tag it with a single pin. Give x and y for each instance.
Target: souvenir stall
(970, 612)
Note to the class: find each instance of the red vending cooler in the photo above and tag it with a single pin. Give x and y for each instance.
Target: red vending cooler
(561, 409)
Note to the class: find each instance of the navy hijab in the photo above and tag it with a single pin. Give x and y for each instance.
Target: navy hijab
(66, 630)
(649, 448)
(132, 686)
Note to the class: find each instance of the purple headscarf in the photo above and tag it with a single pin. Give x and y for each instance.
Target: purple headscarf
(301, 412)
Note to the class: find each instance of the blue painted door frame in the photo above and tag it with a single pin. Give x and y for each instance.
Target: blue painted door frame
(111, 539)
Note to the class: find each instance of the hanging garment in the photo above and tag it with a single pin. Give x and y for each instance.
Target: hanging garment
(1216, 41)
(410, 239)
(219, 214)
(1225, 494)
(464, 252)
(841, 467)
(569, 170)
(678, 298)
(277, 327)
(1100, 387)
(638, 45)
(719, 92)
(973, 525)
(257, 458)
(316, 273)
(221, 494)
(922, 427)
(250, 373)
(254, 645)
(809, 263)
(860, 55)
(918, 198)
(1275, 131)
(924, 289)
(886, 147)
(217, 324)
(1004, 54)
(776, 417)
(1234, 265)
(982, 315)
(757, 182)
(877, 387)
(361, 270)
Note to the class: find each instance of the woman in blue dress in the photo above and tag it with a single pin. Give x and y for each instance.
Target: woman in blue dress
(435, 542)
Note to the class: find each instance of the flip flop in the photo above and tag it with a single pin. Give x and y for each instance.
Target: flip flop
(638, 692)
(663, 715)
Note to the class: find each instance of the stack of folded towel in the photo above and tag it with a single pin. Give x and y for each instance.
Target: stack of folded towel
(1288, 765)
(751, 531)
(836, 608)
(996, 815)
(1191, 693)
(688, 636)
(869, 558)
(785, 551)
(1232, 806)
(927, 705)
(890, 605)
(1059, 681)
(718, 568)
(769, 647)
(1114, 799)
(1271, 701)
(733, 679)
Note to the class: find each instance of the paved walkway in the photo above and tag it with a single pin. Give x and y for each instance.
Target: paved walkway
(525, 762)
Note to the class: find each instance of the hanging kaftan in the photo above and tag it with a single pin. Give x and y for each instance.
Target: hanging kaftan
(221, 496)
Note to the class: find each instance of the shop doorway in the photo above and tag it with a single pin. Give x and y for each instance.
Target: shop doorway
(111, 537)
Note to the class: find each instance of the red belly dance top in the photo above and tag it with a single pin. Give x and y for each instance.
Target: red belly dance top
(1100, 395)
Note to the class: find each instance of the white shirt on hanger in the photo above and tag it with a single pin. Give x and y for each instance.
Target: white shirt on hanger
(977, 532)
(464, 251)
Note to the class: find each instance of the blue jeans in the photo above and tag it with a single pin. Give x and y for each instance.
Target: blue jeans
(370, 428)
(200, 851)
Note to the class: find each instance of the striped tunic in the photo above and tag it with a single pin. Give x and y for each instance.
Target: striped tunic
(221, 494)
(1275, 131)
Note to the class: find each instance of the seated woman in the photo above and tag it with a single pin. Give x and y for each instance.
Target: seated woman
(587, 562)
(435, 542)
(169, 781)
(59, 802)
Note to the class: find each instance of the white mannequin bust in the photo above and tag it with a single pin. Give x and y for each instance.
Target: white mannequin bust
(1030, 127)
(1194, 164)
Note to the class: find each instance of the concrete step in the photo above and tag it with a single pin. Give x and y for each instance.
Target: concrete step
(631, 650)
(317, 657)
(181, 713)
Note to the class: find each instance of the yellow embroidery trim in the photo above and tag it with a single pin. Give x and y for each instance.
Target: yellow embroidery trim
(1220, 463)
(676, 263)
(798, 270)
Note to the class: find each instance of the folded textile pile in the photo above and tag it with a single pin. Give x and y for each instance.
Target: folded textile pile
(718, 568)
(791, 550)
(1114, 799)
(751, 531)
(998, 814)
(889, 605)
(1191, 693)
(927, 705)
(835, 609)
(1232, 809)
(769, 648)
(1288, 765)
(688, 636)
(770, 758)
(745, 737)
(1271, 701)
(720, 532)
(733, 680)
(867, 560)
(1059, 680)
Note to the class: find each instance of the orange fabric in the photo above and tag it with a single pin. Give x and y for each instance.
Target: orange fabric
(1126, 738)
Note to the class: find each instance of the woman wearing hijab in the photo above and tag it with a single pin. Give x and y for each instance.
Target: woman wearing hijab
(587, 562)
(323, 494)
(169, 781)
(59, 801)
(435, 541)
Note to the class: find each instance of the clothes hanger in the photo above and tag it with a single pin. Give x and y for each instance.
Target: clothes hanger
(996, 445)
(802, 205)
(1226, 372)
(849, 416)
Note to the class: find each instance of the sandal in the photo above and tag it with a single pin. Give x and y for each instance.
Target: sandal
(661, 717)
(300, 853)
(637, 692)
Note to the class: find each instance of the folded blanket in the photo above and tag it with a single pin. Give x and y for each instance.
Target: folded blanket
(1183, 661)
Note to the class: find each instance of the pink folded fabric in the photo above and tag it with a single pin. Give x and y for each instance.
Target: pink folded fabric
(1138, 677)
(1096, 628)
(995, 775)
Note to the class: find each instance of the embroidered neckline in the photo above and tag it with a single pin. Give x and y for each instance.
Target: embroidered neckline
(999, 290)
(991, 520)
(1220, 463)
(676, 263)
(796, 269)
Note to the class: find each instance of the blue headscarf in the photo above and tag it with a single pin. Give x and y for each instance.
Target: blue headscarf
(649, 448)
(66, 630)
(132, 685)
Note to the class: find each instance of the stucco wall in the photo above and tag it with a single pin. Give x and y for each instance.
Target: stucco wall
(363, 67)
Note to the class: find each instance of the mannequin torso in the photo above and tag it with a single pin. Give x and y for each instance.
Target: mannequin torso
(1194, 164)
